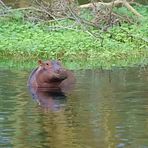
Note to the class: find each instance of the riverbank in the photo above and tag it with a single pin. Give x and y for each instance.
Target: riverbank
(23, 42)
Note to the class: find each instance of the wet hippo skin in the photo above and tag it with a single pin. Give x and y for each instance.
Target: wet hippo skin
(51, 76)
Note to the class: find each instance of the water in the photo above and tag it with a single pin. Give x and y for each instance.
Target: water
(106, 109)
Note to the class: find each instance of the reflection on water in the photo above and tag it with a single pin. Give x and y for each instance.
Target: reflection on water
(107, 109)
(49, 100)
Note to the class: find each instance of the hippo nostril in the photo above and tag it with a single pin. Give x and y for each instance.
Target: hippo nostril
(58, 70)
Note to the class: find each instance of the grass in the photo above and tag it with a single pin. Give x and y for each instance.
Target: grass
(23, 43)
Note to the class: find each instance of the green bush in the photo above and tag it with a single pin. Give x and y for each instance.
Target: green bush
(123, 45)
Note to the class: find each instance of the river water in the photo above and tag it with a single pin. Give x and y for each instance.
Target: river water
(106, 109)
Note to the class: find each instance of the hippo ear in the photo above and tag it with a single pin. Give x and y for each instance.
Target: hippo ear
(59, 61)
(40, 62)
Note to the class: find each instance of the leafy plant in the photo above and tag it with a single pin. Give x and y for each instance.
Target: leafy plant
(23, 42)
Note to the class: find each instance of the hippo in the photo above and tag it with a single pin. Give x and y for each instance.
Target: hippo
(51, 76)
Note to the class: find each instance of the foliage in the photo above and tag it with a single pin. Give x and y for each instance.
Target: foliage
(23, 41)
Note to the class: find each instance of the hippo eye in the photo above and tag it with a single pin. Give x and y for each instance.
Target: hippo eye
(47, 64)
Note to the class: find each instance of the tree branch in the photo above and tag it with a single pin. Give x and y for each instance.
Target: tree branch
(116, 3)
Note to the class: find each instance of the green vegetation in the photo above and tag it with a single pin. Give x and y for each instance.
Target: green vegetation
(23, 42)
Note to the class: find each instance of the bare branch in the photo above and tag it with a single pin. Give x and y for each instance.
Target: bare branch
(110, 4)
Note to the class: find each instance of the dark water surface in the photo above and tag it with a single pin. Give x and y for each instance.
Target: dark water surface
(107, 109)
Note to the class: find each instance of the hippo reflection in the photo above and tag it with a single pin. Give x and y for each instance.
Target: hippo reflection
(50, 80)
(49, 100)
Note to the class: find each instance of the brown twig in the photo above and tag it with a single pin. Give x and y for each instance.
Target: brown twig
(109, 5)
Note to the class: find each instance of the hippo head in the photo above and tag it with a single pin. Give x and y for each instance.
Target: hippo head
(53, 69)
(56, 65)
